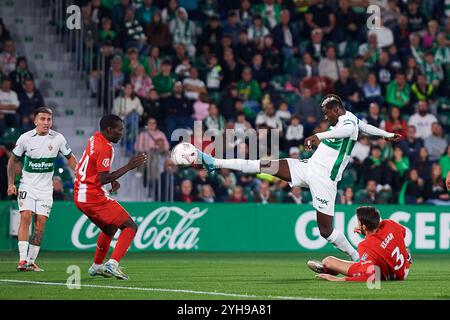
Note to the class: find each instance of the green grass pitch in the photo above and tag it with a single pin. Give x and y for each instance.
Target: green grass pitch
(214, 276)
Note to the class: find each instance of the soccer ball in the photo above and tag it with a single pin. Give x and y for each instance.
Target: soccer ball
(184, 154)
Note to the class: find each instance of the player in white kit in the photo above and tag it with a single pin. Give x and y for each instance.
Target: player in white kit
(39, 149)
(322, 171)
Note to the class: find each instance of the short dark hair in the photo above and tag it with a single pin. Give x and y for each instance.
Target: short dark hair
(109, 121)
(46, 110)
(369, 217)
(331, 101)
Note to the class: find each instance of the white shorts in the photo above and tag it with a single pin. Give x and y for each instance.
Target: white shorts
(307, 174)
(29, 200)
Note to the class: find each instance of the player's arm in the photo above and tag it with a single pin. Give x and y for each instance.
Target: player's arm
(14, 165)
(72, 161)
(374, 131)
(136, 161)
(329, 277)
(343, 131)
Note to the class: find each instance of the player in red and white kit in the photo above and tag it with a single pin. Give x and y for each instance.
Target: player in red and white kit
(91, 197)
(384, 247)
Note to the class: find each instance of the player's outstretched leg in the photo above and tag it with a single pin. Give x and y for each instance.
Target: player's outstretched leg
(129, 229)
(334, 236)
(330, 265)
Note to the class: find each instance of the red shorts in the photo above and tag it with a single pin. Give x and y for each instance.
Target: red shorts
(359, 268)
(104, 214)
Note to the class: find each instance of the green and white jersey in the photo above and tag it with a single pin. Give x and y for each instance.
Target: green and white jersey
(337, 145)
(39, 155)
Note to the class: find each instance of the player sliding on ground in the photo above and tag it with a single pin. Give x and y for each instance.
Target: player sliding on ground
(383, 248)
(92, 173)
(322, 171)
(38, 149)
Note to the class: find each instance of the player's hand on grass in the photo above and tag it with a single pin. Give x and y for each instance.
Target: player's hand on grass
(329, 277)
(137, 161)
(12, 190)
(115, 185)
(311, 142)
(395, 138)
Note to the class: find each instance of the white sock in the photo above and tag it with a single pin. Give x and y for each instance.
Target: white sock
(23, 250)
(246, 166)
(113, 262)
(33, 253)
(96, 266)
(338, 239)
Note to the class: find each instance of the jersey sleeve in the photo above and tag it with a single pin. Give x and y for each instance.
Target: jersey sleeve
(104, 155)
(19, 149)
(373, 131)
(64, 147)
(343, 130)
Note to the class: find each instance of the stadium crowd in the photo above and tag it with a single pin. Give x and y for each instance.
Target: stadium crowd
(266, 65)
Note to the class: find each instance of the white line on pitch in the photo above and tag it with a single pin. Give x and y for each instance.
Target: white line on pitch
(236, 295)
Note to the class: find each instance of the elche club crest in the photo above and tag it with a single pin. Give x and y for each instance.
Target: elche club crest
(50, 147)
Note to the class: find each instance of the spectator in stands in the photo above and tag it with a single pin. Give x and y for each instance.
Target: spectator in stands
(315, 46)
(385, 38)
(165, 80)
(30, 99)
(270, 11)
(348, 196)
(433, 71)
(118, 13)
(321, 16)
(214, 121)
(435, 190)
(211, 34)
(383, 71)
(330, 66)
(412, 144)
(436, 144)
(232, 26)
(133, 35)
(372, 90)
(141, 82)
(398, 93)
(401, 34)
(399, 165)
(359, 71)
(146, 12)
(348, 23)
(244, 49)
(442, 53)
(58, 189)
(99, 12)
(374, 117)
(237, 195)
(117, 75)
(154, 61)
(201, 107)
(226, 181)
(415, 49)
(147, 140)
(421, 91)
(202, 179)
(413, 189)
(106, 32)
(370, 194)
(423, 164)
(444, 162)
(394, 123)
(127, 103)
(269, 119)
(4, 34)
(207, 194)
(370, 51)
(8, 57)
(391, 15)
(417, 20)
(422, 120)
(286, 40)
(232, 70)
(132, 60)
(294, 133)
(294, 196)
(241, 123)
(183, 31)
(186, 192)
(348, 90)
(158, 33)
(412, 70)
(257, 31)
(259, 72)
(214, 75)
(283, 113)
(305, 70)
(182, 69)
(193, 86)
(249, 89)
(153, 107)
(178, 110)
(20, 74)
(374, 168)
(264, 195)
(9, 103)
(245, 13)
(429, 37)
(169, 13)
(360, 152)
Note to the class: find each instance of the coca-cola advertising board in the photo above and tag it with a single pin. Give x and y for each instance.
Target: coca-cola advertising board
(200, 227)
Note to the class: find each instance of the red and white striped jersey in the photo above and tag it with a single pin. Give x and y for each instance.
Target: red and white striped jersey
(97, 157)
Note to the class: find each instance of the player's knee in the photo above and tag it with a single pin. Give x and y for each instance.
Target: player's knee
(25, 217)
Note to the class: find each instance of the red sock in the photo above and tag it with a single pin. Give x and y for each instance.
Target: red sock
(103, 243)
(123, 243)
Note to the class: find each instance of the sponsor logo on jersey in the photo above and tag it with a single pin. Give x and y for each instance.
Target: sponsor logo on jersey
(105, 163)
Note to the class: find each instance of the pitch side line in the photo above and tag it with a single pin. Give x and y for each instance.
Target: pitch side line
(236, 295)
